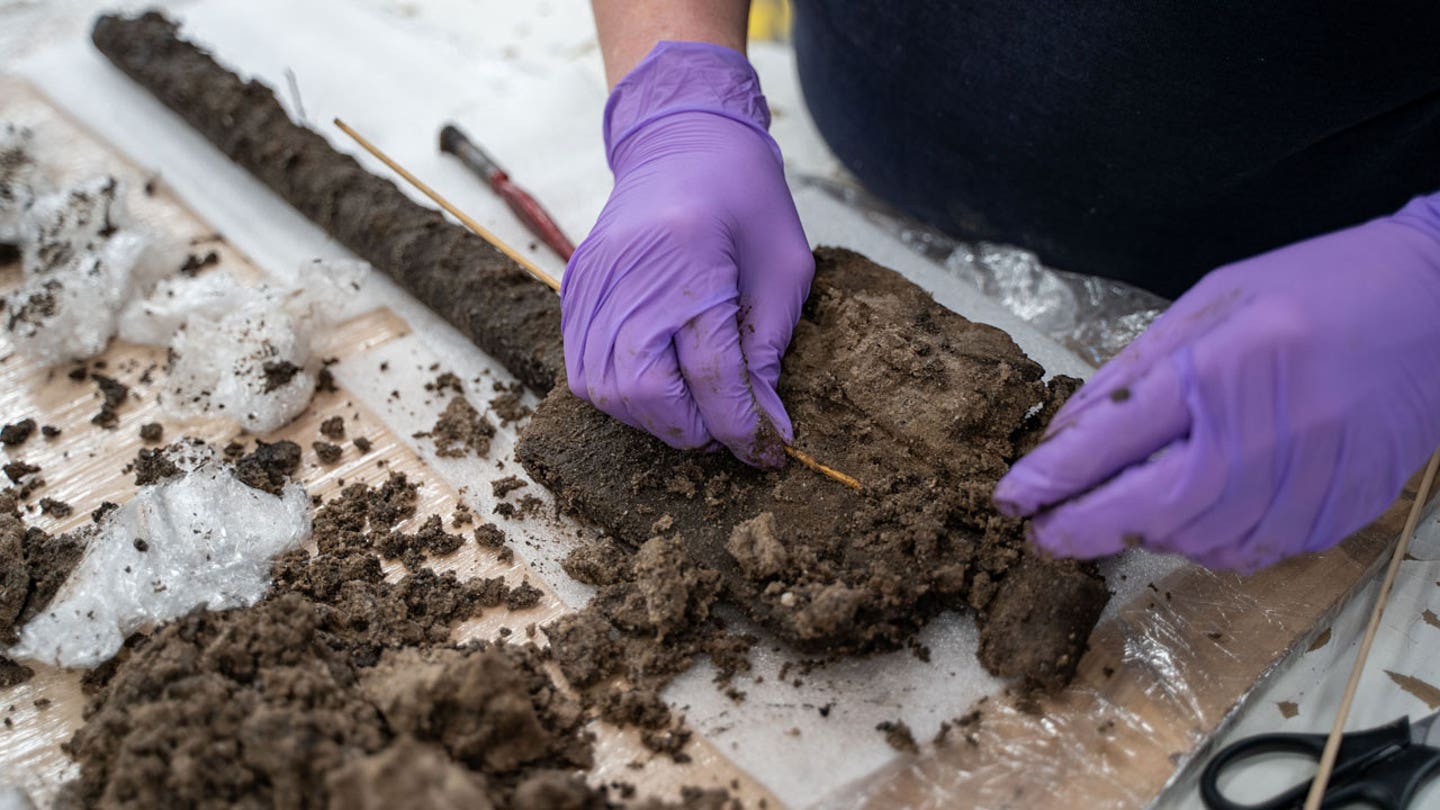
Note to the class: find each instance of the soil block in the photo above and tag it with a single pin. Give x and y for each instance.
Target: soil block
(928, 410)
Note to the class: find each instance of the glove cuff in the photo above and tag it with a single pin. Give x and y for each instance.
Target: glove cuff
(683, 77)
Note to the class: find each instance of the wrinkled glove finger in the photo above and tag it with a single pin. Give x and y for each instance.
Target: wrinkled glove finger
(778, 284)
(708, 349)
(1120, 430)
(1146, 505)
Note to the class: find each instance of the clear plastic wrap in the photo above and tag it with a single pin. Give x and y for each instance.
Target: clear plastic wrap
(1091, 316)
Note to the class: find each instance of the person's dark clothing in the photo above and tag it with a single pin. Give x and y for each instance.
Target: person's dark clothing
(1145, 140)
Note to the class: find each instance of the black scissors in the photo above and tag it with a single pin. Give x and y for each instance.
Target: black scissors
(1383, 767)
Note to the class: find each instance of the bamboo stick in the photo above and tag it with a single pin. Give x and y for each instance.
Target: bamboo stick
(1337, 731)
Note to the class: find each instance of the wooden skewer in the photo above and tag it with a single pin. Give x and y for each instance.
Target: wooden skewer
(1332, 743)
(534, 270)
(549, 280)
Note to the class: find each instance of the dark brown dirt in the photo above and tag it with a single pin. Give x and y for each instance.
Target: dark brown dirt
(152, 466)
(33, 565)
(152, 431)
(898, 736)
(195, 262)
(327, 453)
(333, 428)
(112, 395)
(475, 287)
(269, 466)
(649, 621)
(461, 431)
(13, 674)
(509, 408)
(340, 689)
(278, 374)
(16, 433)
(924, 407)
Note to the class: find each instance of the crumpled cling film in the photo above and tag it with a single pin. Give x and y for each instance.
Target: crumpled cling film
(246, 353)
(1093, 317)
(82, 259)
(199, 538)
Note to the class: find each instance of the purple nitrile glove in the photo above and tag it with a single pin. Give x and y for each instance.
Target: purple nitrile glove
(678, 306)
(1277, 407)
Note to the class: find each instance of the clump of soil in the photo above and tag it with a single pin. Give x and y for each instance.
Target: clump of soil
(649, 621)
(924, 407)
(509, 407)
(898, 736)
(502, 487)
(278, 373)
(327, 453)
(333, 428)
(461, 430)
(340, 689)
(16, 471)
(152, 432)
(33, 565)
(13, 674)
(16, 433)
(269, 466)
(153, 465)
(112, 395)
(194, 263)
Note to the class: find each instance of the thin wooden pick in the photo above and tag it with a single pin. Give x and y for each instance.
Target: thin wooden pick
(547, 279)
(1332, 743)
(534, 270)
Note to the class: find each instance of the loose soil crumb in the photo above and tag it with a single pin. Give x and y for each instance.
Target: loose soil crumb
(278, 373)
(1320, 641)
(445, 381)
(113, 394)
(1288, 708)
(461, 431)
(327, 453)
(16, 433)
(510, 408)
(33, 565)
(152, 466)
(504, 486)
(13, 674)
(362, 444)
(333, 428)
(55, 509)
(17, 470)
(269, 466)
(924, 407)
(152, 432)
(898, 736)
(194, 264)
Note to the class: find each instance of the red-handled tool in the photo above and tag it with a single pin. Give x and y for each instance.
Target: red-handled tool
(454, 142)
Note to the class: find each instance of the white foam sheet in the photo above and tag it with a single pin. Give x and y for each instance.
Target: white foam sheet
(538, 110)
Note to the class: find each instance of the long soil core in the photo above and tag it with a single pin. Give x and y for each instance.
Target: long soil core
(460, 276)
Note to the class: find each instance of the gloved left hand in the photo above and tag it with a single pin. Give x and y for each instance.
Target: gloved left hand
(1278, 406)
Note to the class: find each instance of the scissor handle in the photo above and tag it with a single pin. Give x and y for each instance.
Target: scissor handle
(1391, 783)
(1359, 750)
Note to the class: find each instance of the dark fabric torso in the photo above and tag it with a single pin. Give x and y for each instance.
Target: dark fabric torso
(1146, 140)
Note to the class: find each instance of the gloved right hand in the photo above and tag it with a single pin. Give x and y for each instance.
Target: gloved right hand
(679, 305)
